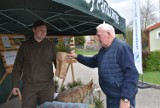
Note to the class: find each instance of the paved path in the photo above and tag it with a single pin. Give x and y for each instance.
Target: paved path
(146, 98)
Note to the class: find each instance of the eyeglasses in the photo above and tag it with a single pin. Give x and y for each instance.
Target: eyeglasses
(98, 35)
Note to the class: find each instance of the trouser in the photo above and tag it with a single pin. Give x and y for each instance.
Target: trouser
(114, 102)
(37, 94)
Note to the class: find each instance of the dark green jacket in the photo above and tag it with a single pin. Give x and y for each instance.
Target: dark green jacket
(34, 59)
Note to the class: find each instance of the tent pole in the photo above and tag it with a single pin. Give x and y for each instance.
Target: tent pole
(142, 79)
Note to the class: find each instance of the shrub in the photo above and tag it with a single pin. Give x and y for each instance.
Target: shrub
(98, 102)
(56, 84)
(71, 85)
(79, 40)
(64, 45)
(153, 61)
(145, 55)
(63, 88)
(74, 84)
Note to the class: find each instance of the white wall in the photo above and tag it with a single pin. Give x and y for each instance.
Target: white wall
(154, 42)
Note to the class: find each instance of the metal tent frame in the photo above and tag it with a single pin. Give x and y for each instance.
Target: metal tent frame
(64, 17)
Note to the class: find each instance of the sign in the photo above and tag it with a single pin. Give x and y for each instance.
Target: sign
(99, 9)
(103, 7)
(6, 42)
(10, 57)
(137, 43)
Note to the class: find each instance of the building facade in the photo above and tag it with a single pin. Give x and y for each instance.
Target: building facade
(153, 33)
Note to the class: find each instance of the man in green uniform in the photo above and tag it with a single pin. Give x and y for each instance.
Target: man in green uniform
(34, 61)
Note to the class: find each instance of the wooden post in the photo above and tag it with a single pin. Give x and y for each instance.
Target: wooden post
(70, 64)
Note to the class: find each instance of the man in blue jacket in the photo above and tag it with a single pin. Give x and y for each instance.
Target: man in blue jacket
(118, 76)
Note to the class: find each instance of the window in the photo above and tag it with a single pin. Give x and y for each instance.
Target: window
(158, 35)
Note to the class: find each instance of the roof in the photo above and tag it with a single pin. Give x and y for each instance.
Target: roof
(64, 17)
(153, 27)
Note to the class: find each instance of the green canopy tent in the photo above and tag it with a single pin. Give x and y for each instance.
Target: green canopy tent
(64, 17)
(98, 9)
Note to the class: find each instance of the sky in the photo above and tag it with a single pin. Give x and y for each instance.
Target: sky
(124, 7)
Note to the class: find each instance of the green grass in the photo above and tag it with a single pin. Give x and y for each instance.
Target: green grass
(86, 52)
(151, 77)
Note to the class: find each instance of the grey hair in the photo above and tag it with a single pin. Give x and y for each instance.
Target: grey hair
(106, 27)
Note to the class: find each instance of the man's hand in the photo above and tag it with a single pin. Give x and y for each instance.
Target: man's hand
(124, 104)
(72, 54)
(16, 91)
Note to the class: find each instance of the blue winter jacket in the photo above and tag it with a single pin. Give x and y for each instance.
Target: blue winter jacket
(118, 76)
